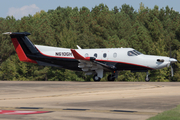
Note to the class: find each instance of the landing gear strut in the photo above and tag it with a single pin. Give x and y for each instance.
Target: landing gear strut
(147, 79)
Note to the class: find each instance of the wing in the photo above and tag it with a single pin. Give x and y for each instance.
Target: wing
(90, 64)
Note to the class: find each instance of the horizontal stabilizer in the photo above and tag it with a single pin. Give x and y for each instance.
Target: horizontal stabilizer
(7, 33)
(17, 33)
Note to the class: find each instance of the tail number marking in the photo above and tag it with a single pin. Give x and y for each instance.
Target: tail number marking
(63, 54)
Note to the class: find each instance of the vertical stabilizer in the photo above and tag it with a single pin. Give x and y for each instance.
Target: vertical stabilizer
(23, 45)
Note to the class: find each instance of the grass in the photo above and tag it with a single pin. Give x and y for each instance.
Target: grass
(173, 114)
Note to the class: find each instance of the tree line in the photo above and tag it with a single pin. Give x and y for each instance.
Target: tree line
(151, 31)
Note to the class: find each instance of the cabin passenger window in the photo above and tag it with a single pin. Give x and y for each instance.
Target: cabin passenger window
(86, 55)
(104, 55)
(115, 55)
(95, 55)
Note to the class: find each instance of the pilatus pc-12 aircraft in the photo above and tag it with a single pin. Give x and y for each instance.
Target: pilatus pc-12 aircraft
(91, 61)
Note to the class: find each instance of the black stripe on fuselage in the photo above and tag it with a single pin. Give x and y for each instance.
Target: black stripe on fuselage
(125, 66)
(66, 63)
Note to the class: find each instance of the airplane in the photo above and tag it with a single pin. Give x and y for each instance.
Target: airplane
(91, 61)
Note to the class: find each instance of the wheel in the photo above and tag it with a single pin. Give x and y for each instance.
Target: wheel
(147, 79)
(96, 78)
(111, 78)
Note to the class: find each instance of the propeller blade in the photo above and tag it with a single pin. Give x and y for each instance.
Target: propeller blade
(172, 74)
(170, 52)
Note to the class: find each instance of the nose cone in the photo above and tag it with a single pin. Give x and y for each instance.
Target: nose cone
(172, 60)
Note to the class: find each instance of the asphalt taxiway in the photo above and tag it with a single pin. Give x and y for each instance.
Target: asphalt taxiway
(88, 100)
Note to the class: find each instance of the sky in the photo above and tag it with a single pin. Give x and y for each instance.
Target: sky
(20, 8)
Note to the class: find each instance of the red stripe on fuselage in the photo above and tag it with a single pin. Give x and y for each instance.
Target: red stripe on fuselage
(22, 56)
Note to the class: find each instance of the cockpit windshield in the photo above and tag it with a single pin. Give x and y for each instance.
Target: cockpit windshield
(134, 53)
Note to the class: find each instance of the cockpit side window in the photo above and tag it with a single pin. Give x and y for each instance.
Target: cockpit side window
(137, 52)
(131, 53)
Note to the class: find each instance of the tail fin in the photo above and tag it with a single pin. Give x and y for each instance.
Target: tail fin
(23, 46)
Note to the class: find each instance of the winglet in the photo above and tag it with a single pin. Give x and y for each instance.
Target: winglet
(80, 57)
(78, 47)
(77, 55)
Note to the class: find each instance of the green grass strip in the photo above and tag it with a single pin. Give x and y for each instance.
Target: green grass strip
(173, 114)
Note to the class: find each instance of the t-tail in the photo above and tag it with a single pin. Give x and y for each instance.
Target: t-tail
(23, 46)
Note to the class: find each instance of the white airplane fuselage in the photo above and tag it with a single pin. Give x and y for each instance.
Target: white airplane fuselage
(113, 55)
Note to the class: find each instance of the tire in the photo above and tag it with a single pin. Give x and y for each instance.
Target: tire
(111, 78)
(147, 79)
(96, 78)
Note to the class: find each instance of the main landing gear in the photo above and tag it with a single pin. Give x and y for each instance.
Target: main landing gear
(110, 77)
(147, 79)
(113, 76)
(96, 78)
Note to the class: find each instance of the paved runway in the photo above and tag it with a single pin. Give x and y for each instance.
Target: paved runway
(88, 100)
